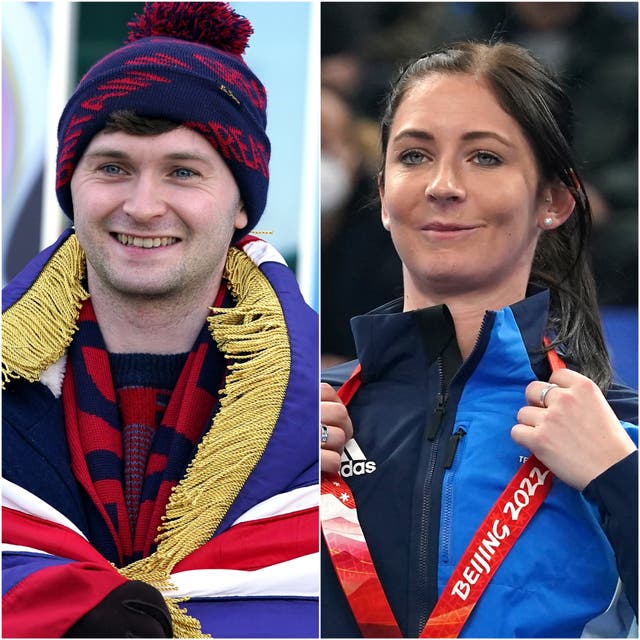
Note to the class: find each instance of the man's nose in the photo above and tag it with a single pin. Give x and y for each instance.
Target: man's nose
(144, 198)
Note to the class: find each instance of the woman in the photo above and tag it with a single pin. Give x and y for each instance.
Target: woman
(490, 219)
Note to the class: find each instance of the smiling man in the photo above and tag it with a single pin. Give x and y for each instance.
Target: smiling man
(155, 216)
(159, 363)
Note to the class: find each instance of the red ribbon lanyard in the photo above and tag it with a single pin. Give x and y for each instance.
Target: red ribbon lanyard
(489, 546)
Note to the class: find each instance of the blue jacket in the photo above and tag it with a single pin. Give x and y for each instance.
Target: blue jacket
(432, 452)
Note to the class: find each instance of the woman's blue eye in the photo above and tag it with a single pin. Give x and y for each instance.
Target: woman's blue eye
(486, 159)
(413, 157)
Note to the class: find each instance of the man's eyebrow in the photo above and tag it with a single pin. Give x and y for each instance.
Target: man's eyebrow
(422, 134)
(118, 154)
(187, 155)
(106, 153)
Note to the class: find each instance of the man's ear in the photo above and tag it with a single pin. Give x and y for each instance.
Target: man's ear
(242, 219)
(557, 205)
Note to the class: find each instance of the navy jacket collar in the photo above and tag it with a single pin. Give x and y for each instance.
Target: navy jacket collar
(387, 335)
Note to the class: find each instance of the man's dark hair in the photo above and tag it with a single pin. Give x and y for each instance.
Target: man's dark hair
(136, 125)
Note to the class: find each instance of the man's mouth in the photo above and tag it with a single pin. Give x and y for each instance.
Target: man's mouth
(145, 243)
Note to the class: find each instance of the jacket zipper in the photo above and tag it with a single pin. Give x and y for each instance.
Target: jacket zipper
(437, 415)
(452, 447)
(426, 553)
(451, 467)
(441, 404)
(429, 554)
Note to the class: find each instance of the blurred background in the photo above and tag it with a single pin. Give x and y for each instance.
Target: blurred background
(593, 46)
(47, 47)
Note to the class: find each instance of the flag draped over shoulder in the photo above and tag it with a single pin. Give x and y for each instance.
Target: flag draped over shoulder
(239, 539)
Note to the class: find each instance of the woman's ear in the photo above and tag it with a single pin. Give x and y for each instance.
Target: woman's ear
(383, 210)
(557, 205)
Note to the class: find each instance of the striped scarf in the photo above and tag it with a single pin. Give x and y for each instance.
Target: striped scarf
(95, 435)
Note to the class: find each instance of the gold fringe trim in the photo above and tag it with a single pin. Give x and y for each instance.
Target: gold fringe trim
(38, 328)
(253, 338)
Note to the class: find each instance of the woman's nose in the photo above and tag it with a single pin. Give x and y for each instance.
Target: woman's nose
(444, 184)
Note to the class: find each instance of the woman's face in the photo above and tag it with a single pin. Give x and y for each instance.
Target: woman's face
(460, 193)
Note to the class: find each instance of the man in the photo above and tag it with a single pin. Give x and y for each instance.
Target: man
(160, 403)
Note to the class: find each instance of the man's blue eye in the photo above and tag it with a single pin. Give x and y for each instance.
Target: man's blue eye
(184, 173)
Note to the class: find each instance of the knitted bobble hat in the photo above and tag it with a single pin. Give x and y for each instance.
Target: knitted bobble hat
(183, 62)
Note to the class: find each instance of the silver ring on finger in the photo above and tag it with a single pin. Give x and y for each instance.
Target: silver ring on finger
(543, 394)
(324, 433)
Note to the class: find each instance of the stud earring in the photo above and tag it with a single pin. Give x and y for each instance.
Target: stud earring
(547, 199)
(548, 221)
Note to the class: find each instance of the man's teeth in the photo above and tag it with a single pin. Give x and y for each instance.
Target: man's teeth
(146, 243)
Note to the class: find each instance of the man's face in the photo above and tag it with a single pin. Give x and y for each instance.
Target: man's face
(155, 214)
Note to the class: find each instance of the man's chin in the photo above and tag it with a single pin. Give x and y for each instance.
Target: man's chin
(152, 290)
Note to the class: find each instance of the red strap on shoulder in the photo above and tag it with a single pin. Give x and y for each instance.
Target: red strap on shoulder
(555, 360)
(350, 386)
(490, 545)
(352, 560)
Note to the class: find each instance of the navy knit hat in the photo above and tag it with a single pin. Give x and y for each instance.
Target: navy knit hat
(182, 62)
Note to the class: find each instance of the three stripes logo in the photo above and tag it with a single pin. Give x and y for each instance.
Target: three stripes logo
(354, 462)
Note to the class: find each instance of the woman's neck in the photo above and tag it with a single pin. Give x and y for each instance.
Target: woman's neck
(467, 308)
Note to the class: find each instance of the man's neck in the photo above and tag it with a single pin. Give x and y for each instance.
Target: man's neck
(157, 326)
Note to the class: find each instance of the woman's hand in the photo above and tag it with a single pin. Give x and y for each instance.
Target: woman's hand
(571, 429)
(333, 414)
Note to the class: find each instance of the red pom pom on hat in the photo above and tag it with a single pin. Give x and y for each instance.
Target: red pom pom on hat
(211, 23)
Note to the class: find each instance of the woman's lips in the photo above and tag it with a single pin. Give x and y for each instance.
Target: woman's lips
(447, 231)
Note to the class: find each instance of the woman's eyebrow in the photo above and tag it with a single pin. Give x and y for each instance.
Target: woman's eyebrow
(422, 134)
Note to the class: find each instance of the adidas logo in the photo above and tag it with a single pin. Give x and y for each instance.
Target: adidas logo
(354, 462)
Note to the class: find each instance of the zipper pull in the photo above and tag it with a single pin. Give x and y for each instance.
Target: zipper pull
(452, 447)
(437, 415)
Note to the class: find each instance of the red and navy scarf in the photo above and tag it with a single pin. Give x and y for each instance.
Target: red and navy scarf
(95, 435)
